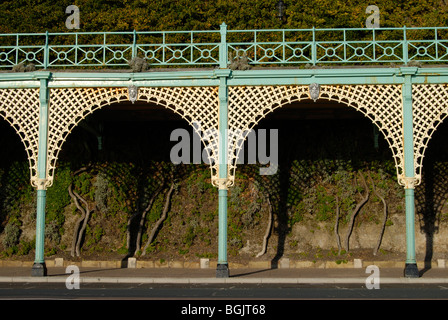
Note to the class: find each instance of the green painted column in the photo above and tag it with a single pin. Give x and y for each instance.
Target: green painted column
(411, 269)
(222, 270)
(39, 268)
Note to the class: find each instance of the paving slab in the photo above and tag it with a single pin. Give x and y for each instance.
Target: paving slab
(249, 275)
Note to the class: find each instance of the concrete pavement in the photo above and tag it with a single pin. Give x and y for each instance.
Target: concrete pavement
(237, 276)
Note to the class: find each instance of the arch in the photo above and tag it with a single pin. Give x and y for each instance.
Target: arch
(429, 111)
(68, 106)
(382, 104)
(20, 107)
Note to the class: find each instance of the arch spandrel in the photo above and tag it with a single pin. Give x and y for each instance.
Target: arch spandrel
(68, 106)
(247, 106)
(20, 107)
(382, 104)
(429, 111)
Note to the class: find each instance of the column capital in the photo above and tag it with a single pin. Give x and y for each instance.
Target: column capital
(41, 183)
(223, 183)
(409, 182)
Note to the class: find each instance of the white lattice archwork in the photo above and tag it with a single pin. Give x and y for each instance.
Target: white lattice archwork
(68, 106)
(429, 110)
(247, 105)
(20, 107)
(381, 103)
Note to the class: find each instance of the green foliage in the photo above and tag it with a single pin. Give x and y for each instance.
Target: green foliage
(145, 15)
(16, 189)
(50, 251)
(189, 236)
(102, 192)
(25, 247)
(83, 183)
(156, 211)
(123, 181)
(95, 235)
(11, 235)
(57, 199)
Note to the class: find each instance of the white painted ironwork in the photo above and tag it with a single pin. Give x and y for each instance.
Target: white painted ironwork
(132, 93)
(247, 106)
(68, 106)
(20, 107)
(381, 103)
(430, 108)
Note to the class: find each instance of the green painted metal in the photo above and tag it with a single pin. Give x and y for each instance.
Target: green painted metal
(222, 238)
(222, 270)
(408, 137)
(223, 55)
(410, 228)
(42, 171)
(282, 47)
(189, 78)
(40, 227)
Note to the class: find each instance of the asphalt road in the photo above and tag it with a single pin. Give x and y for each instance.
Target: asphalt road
(58, 291)
(224, 301)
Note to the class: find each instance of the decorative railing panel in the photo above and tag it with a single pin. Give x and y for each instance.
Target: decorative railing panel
(210, 48)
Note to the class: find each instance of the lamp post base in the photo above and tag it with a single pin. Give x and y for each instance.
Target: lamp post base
(411, 270)
(222, 271)
(39, 270)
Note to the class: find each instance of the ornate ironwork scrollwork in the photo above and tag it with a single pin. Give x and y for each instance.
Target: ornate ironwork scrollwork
(314, 91)
(133, 93)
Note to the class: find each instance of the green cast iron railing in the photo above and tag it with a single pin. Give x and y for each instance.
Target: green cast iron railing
(288, 47)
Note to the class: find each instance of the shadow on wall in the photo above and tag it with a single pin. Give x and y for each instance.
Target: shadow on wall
(430, 198)
(311, 152)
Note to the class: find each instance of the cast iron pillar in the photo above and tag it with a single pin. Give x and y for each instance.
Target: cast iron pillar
(410, 270)
(39, 268)
(222, 269)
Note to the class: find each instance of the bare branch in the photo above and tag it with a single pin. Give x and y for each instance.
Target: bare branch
(336, 226)
(84, 224)
(380, 238)
(356, 210)
(143, 217)
(268, 230)
(78, 222)
(161, 219)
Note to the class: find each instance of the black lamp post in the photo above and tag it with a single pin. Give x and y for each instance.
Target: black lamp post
(281, 10)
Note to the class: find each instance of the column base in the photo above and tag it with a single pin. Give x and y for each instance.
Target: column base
(222, 270)
(411, 270)
(39, 270)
